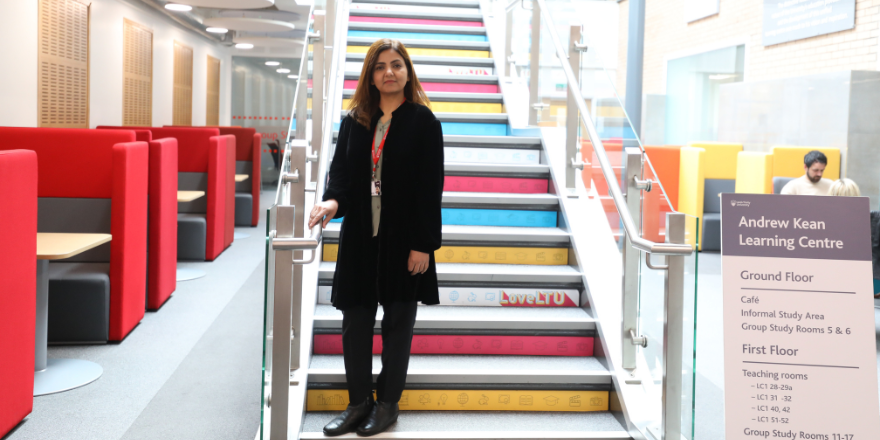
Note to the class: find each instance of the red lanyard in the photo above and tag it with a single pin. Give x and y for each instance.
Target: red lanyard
(377, 153)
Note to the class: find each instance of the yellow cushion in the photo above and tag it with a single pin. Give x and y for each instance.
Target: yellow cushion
(720, 158)
(788, 161)
(691, 184)
(754, 173)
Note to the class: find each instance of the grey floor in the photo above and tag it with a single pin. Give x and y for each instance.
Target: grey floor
(190, 370)
(709, 380)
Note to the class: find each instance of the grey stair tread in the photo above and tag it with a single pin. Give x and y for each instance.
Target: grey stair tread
(445, 3)
(421, 28)
(433, 77)
(486, 233)
(477, 364)
(442, 61)
(500, 141)
(495, 423)
(427, 44)
(481, 117)
(490, 272)
(477, 167)
(486, 118)
(478, 318)
(500, 198)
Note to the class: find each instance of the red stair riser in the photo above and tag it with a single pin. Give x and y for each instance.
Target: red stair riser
(495, 185)
(488, 345)
(414, 21)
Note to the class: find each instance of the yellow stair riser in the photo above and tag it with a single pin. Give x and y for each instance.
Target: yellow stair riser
(418, 51)
(475, 400)
(485, 255)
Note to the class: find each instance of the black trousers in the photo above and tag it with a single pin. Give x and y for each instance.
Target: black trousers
(357, 349)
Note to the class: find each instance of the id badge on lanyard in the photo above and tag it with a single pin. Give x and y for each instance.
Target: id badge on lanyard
(375, 184)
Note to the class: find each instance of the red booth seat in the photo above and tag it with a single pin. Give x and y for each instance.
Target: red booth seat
(205, 162)
(81, 169)
(18, 287)
(162, 226)
(247, 161)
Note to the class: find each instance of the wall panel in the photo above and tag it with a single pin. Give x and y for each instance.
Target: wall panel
(212, 111)
(137, 68)
(183, 84)
(63, 57)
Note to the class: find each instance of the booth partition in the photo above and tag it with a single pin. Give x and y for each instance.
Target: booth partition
(18, 253)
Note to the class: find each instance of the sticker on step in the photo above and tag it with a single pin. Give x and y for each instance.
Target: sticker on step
(516, 297)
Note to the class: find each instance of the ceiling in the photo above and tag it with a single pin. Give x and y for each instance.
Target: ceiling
(276, 28)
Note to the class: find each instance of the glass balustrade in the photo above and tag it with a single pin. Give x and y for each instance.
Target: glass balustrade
(593, 25)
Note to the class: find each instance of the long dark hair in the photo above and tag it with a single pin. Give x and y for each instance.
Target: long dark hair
(365, 102)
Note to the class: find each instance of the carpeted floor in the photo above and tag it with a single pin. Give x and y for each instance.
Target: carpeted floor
(190, 370)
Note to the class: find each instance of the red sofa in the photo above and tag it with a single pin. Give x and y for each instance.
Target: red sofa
(162, 226)
(247, 161)
(18, 287)
(205, 162)
(92, 181)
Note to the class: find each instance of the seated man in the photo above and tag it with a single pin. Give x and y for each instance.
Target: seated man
(811, 183)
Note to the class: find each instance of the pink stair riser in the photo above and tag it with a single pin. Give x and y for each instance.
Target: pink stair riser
(495, 185)
(415, 21)
(351, 84)
(487, 345)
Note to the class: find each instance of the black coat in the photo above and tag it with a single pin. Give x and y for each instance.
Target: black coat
(412, 190)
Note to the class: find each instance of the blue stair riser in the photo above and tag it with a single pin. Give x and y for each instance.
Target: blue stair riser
(416, 36)
(474, 129)
(494, 217)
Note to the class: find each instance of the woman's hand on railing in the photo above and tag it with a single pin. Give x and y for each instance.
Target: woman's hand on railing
(323, 211)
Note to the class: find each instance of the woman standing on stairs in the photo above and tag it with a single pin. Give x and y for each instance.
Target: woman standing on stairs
(386, 178)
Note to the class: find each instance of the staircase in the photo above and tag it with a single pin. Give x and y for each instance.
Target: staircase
(509, 352)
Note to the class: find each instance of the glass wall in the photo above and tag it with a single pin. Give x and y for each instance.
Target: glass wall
(693, 86)
(262, 98)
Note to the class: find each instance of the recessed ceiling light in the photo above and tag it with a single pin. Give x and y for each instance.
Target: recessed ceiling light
(217, 30)
(273, 63)
(178, 7)
(244, 46)
(283, 70)
(293, 76)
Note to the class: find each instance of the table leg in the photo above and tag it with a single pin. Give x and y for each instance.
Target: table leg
(41, 339)
(55, 375)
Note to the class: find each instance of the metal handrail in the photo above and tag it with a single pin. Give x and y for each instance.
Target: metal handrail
(629, 226)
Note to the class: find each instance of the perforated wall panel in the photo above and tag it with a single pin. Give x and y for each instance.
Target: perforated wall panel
(213, 101)
(183, 84)
(137, 68)
(64, 64)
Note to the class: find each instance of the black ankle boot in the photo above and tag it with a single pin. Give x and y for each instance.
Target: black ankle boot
(349, 420)
(382, 416)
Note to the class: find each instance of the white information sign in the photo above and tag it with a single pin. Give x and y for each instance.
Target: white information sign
(799, 351)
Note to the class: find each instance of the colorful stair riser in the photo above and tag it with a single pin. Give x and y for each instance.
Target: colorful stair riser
(484, 255)
(493, 297)
(450, 107)
(474, 400)
(512, 185)
(431, 69)
(476, 344)
(351, 84)
(494, 217)
(362, 19)
(416, 36)
(429, 52)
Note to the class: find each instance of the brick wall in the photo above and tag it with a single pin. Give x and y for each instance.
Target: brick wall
(667, 33)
